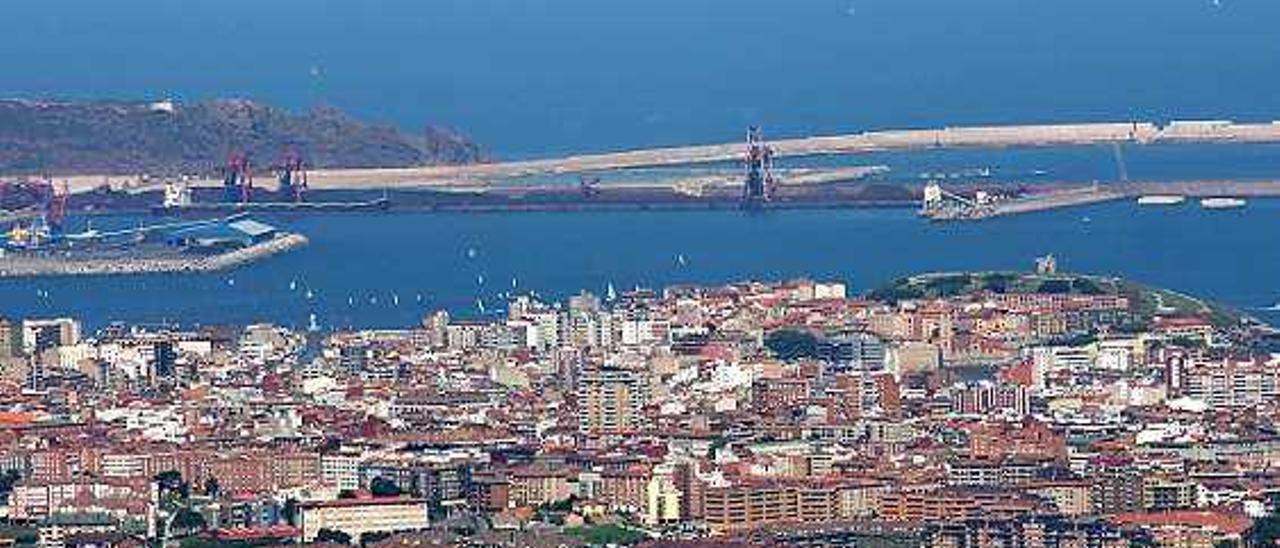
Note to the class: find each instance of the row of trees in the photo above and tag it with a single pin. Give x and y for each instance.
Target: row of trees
(175, 500)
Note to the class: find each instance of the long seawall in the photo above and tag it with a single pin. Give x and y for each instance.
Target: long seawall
(19, 266)
(1045, 135)
(966, 137)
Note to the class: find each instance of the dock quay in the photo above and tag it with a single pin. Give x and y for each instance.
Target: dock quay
(19, 265)
(1092, 194)
(947, 206)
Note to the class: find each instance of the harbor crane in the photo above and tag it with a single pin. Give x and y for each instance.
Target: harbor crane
(760, 184)
(292, 175)
(56, 206)
(237, 179)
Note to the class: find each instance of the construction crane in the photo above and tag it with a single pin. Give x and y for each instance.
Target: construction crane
(292, 175)
(759, 186)
(237, 180)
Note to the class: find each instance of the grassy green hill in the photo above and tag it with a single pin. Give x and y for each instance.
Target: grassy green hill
(1147, 302)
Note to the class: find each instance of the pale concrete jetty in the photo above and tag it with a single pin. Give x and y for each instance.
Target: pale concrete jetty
(14, 265)
(1038, 135)
(1107, 192)
(1048, 135)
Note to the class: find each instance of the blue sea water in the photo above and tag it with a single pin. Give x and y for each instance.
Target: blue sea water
(531, 78)
(389, 270)
(538, 77)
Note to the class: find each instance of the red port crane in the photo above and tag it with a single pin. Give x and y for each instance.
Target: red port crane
(293, 175)
(237, 179)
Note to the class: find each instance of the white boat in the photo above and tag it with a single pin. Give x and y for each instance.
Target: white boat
(1222, 203)
(1161, 199)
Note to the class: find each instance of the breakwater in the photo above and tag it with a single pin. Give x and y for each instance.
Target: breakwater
(974, 137)
(892, 140)
(20, 265)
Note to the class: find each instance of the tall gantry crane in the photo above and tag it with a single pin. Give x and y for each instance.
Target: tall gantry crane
(55, 207)
(237, 179)
(760, 184)
(292, 175)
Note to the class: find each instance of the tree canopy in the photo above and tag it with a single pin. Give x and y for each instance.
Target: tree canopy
(333, 536)
(791, 344)
(383, 487)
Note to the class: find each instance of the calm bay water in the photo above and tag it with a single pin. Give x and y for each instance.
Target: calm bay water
(371, 270)
(537, 77)
(541, 77)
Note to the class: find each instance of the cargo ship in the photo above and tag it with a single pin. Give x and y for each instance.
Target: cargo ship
(1222, 203)
(1161, 199)
(178, 201)
(223, 208)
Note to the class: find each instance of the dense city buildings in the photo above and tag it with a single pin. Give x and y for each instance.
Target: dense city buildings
(955, 410)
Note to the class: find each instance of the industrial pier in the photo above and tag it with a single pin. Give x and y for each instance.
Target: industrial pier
(44, 247)
(20, 266)
(941, 204)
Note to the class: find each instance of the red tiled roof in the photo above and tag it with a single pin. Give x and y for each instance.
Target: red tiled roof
(379, 501)
(1228, 523)
(255, 533)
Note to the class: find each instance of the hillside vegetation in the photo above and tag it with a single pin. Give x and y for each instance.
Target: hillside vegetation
(1147, 302)
(118, 137)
